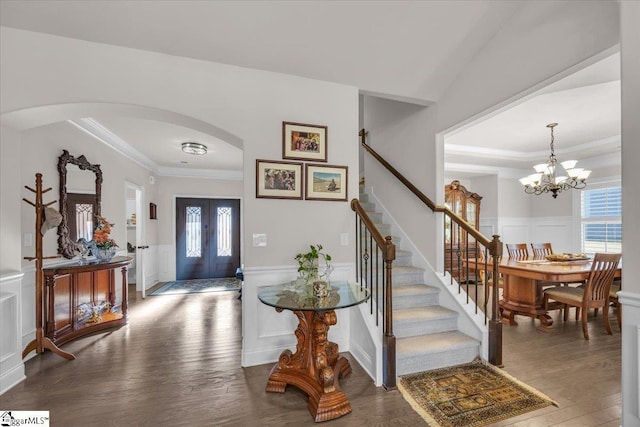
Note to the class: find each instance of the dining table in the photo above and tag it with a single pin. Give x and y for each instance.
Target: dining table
(524, 281)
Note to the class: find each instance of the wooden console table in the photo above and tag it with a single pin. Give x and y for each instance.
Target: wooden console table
(80, 298)
(316, 365)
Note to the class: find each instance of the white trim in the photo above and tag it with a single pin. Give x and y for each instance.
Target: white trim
(93, 128)
(500, 153)
(104, 135)
(629, 298)
(12, 378)
(529, 93)
(7, 277)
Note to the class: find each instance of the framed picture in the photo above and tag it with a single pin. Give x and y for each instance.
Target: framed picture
(304, 142)
(278, 180)
(324, 182)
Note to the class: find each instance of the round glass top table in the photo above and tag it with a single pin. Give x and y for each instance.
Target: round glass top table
(289, 296)
(316, 366)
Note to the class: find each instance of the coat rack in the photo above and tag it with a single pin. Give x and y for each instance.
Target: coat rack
(41, 342)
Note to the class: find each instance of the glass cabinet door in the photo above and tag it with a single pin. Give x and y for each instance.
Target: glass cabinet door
(471, 213)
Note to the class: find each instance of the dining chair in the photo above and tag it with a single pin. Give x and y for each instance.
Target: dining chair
(616, 286)
(541, 250)
(595, 294)
(517, 250)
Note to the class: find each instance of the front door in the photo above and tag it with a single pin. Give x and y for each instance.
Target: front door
(207, 238)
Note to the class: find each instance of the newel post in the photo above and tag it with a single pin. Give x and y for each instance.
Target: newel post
(389, 342)
(495, 324)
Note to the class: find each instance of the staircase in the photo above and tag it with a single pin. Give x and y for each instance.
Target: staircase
(427, 334)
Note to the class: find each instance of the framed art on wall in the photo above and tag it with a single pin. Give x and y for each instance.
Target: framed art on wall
(278, 180)
(304, 142)
(324, 182)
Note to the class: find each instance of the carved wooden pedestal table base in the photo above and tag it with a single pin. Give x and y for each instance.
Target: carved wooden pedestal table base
(314, 367)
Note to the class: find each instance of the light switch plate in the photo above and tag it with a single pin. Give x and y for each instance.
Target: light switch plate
(27, 239)
(344, 239)
(259, 240)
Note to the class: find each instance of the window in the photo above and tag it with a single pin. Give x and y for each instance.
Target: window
(601, 220)
(194, 230)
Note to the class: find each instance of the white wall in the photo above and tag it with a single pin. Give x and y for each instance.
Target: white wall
(541, 40)
(42, 146)
(403, 134)
(486, 186)
(248, 106)
(630, 297)
(10, 153)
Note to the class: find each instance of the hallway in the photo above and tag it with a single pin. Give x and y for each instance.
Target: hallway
(177, 362)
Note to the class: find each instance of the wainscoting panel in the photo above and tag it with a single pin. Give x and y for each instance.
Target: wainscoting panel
(28, 312)
(557, 230)
(11, 365)
(514, 233)
(560, 231)
(267, 333)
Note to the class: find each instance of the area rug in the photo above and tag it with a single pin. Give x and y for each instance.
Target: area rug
(198, 286)
(470, 395)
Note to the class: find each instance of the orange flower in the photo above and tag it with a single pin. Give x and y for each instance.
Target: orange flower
(101, 234)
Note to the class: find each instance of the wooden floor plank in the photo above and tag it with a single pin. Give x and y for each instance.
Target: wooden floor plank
(177, 363)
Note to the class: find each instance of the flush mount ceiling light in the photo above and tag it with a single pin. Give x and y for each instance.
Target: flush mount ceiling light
(545, 179)
(194, 148)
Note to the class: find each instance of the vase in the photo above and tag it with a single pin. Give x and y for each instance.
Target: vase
(104, 255)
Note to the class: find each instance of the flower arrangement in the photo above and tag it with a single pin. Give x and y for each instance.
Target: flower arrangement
(101, 237)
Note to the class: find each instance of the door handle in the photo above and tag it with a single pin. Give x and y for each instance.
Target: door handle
(143, 247)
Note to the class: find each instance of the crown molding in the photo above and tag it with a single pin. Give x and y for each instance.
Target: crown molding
(612, 159)
(104, 135)
(485, 152)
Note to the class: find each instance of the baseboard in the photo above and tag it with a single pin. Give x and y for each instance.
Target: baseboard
(12, 377)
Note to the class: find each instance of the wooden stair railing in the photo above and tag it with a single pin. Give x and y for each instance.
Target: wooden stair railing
(470, 263)
(371, 248)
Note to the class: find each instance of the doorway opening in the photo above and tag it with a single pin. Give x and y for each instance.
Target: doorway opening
(207, 238)
(135, 236)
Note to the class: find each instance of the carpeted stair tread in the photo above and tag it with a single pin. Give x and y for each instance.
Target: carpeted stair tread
(427, 335)
(415, 290)
(421, 314)
(418, 295)
(407, 275)
(403, 269)
(428, 320)
(433, 343)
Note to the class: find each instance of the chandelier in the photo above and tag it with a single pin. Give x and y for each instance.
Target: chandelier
(546, 178)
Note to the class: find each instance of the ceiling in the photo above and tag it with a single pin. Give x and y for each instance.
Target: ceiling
(336, 41)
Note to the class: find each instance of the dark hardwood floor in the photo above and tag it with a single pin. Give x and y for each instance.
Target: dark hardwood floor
(177, 362)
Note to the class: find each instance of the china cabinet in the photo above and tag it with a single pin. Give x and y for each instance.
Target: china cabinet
(466, 205)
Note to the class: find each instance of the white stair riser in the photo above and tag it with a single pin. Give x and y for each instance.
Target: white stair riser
(406, 278)
(425, 327)
(435, 360)
(412, 301)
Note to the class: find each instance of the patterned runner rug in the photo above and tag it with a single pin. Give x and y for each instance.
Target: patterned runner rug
(470, 395)
(197, 286)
